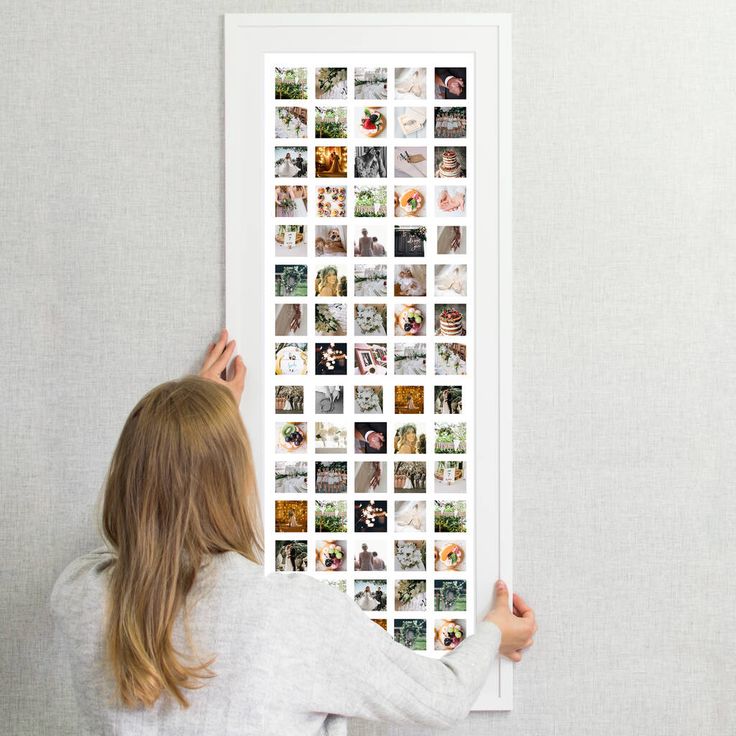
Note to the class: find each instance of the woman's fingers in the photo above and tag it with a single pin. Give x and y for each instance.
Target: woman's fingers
(215, 351)
(221, 362)
(515, 656)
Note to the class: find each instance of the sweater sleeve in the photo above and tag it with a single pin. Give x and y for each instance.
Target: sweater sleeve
(358, 670)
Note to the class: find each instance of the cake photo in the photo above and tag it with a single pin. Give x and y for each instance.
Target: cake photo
(449, 557)
(451, 322)
(450, 167)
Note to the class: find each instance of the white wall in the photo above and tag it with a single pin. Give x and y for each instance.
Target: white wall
(111, 234)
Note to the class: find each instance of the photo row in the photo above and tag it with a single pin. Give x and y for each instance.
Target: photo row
(377, 555)
(370, 516)
(369, 476)
(370, 83)
(406, 438)
(369, 162)
(369, 359)
(293, 200)
(370, 240)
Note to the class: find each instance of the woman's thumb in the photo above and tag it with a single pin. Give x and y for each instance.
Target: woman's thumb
(502, 595)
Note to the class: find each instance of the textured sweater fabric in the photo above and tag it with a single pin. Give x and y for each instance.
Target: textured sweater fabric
(293, 656)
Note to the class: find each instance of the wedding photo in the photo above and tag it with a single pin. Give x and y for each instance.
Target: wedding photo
(448, 399)
(410, 439)
(410, 555)
(410, 83)
(371, 83)
(331, 83)
(369, 399)
(410, 279)
(450, 516)
(371, 555)
(449, 162)
(289, 399)
(410, 595)
(370, 477)
(330, 241)
(369, 319)
(290, 83)
(328, 399)
(331, 477)
(331, 555)
(450, 279)
(449, 359)
(409, 241)
(450, 595)
(448, 634)
(291, 319)
(291, 437)
(291, 122)
(410, 477)
(410, 516)
(450, 201)
(370, 595)
(371, 359)
(290, 516)
(449, 438)
(290, 161)
(330, 122)
(409, 399)
(411, 122)
(330, 517)
(449, 476)
(449, 320)
(331, 202)
(368, 241)
(449, 83)
(331, 320)
(451, 240)
(411, 632)
(410, 161)
(330, 438)
(291, 358)
(410, 359)
(331, 358)
(331, 280)
(290, 241)
(409, 320)
(290, 200)
(291, 555)
(331, 161)
(290, 280)
(370, 280)
(291, 477)
(449, 556)
(370, 437)
(410, 201)
(450, 122)
(370, 122)
(371, 516)
(371, 162)
(370, 201)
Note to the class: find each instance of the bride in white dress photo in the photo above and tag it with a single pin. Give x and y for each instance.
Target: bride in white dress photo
(366, 601)
(287, 168)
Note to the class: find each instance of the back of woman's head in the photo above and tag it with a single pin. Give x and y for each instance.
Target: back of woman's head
(181, 487)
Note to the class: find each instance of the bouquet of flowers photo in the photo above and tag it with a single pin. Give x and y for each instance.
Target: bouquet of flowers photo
(368, 398)
(370, 318)
(409, 556)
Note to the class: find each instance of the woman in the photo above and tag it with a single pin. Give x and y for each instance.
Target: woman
(406, 440)
(327, 283)
(365, 600)
(173, 628)
(287, 168)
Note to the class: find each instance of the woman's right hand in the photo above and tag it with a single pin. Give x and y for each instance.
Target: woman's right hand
(215, 363)
(517, 626)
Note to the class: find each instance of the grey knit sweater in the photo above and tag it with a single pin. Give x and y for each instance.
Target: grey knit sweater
(294, 656)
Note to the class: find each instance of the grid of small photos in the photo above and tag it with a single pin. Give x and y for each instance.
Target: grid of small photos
(369, 186)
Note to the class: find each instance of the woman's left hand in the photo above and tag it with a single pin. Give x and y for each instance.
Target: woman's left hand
(215, 365)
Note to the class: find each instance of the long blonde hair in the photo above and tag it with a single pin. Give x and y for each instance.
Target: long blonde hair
(180, 487)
